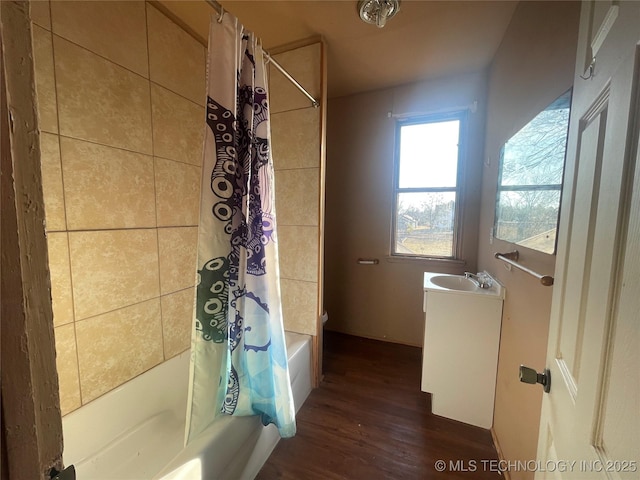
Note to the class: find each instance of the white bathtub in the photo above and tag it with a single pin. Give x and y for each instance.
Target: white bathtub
(136, 431)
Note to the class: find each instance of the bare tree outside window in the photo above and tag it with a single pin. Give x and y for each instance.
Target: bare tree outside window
(530, 183)
(426, 187)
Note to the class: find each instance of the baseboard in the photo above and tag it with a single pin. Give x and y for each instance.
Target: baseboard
(370, 337)
(505, 473)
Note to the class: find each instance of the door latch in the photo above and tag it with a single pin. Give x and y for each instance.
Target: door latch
(529, 375)
(68, 473)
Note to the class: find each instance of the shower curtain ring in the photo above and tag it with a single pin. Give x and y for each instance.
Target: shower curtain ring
(221, 16)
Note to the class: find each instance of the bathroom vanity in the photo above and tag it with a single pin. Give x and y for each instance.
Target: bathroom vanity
(460, 348)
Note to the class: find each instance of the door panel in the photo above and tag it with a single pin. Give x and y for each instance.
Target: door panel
(616, 434)
(580, 250)
(591, 417)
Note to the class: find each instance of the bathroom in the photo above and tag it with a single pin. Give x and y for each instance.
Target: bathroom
(110, 328)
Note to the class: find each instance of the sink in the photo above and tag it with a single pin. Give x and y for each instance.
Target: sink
(454, 282)
(460, 346)
(459, 284)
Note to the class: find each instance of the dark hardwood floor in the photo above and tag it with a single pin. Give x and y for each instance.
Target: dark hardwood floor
(369, 420)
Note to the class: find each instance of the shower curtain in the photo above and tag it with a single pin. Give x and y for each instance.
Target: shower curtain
(238, 352)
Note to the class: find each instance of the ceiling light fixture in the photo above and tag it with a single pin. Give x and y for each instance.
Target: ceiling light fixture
(377, 12)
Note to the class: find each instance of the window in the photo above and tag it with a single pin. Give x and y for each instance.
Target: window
(530, 181)
(427, 186)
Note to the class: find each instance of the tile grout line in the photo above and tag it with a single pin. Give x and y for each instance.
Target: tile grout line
(199, 167)
(119, 229)
(148, 79)
(297, 225)
(175, 93)
(295, 168)
(115, 147)
(315, 282)
(64, 203)
(100, 55)
(155, 188)
(296, 109)
(138, 302)
(106, 145)
(75, 325)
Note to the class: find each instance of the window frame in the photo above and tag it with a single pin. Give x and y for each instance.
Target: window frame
(456, 247)
(533, 187)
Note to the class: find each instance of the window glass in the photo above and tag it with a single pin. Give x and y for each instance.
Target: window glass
(530, 182)
(429, 154)
(426, 190)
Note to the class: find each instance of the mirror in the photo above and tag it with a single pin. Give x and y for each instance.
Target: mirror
(530, 179)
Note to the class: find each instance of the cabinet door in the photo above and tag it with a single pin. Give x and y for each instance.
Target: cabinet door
(460, 357)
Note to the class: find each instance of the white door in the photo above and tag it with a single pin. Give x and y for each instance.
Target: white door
(590, 420)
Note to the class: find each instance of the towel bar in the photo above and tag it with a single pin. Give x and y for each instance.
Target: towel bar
(512, 257)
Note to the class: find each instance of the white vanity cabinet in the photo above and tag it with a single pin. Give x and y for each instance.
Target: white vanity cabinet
(460, 348)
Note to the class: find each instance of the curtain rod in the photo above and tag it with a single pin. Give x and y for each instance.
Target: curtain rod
(472, 107)
(218, 8)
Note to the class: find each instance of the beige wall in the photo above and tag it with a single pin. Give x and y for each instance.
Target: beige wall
(297, 139)
(384, 301)
(532, 67)
(121, 102)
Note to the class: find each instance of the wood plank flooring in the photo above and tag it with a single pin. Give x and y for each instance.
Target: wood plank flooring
(369, 420)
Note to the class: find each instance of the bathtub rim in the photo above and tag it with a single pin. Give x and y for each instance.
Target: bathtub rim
(81, 448)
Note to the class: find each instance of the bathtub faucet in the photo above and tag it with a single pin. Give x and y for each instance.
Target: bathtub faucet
(482, 280)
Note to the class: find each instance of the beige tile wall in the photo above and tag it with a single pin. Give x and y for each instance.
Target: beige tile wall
(296, 132)
(121, 94)
(120, 98)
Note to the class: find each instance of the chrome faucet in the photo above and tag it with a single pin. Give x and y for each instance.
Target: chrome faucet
(482, 280)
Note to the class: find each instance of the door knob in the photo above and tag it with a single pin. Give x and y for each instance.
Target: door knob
(529, 375)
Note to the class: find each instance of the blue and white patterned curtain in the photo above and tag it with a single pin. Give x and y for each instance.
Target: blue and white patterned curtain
(238, 351)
